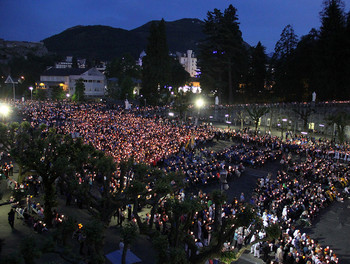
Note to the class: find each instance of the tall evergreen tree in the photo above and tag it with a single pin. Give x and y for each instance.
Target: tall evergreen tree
(332, 56)
(79, 90)
(283, 61)
(125, 69)
(304, 65)
(211, 70)
(257, 71)
(57, 93)
(123, 66)
(156, 63)
(223, 55)
(286, 44)
(347, 52)
(126, 88)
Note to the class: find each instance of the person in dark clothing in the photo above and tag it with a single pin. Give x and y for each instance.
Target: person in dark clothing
(129, 212)
(289, 258)
(11, 218)
(68, 199)
(265, 250)
(157, 224)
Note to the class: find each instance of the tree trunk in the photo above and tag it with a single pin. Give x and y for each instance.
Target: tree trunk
(230, 83)
(305, 122)
(217, 222)
(215, 250)
(20, 169)
(136, 215)
(48, 201)
(125, 250)
(271, 115)
(341, 133)
(153, 210)
(177, 228)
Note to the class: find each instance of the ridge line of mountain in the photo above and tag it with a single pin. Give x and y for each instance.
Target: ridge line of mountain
(106, 42)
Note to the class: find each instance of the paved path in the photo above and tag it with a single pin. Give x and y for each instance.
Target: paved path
(248, 180)
(332, 228)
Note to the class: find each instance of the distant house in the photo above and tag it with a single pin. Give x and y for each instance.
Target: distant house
(94, 80)
(189, 62)
(67, 63)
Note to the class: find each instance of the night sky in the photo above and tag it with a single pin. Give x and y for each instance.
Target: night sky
(260, 20)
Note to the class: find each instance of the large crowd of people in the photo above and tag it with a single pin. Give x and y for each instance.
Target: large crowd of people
(292, 198)
(121, 134)
(296, 197)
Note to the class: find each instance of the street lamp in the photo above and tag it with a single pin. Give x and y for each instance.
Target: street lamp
(282, 127)
(199, 103)
(4, 111)
(31, 92)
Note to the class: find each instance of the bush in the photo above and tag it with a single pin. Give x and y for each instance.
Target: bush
(228, 256)
(13, 259)
(29, 250)
(273, 231)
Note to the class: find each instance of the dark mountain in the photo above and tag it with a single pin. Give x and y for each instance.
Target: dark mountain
(106, 43)
(182, 35)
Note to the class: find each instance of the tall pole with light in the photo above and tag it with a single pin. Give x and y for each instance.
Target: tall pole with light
(199, 105)
(284, 120)
(31, 92)
(9, 80)
(14, 92)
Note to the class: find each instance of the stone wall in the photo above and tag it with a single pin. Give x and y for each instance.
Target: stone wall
(286, 116)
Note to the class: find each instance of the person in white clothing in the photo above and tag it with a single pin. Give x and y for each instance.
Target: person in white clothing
(285, 213)
(257, 250)
(199, 225)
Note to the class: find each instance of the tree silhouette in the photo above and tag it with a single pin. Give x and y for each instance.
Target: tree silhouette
(304, 114)
(223, 57)
(156, 63)
(340, 119)
(283, 61)
(79, 93)
(333, 58)
(255, 113)
(257, 73)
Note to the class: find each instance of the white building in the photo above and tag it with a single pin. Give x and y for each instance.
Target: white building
(68, 63)
(189, 62)
(94, 80)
